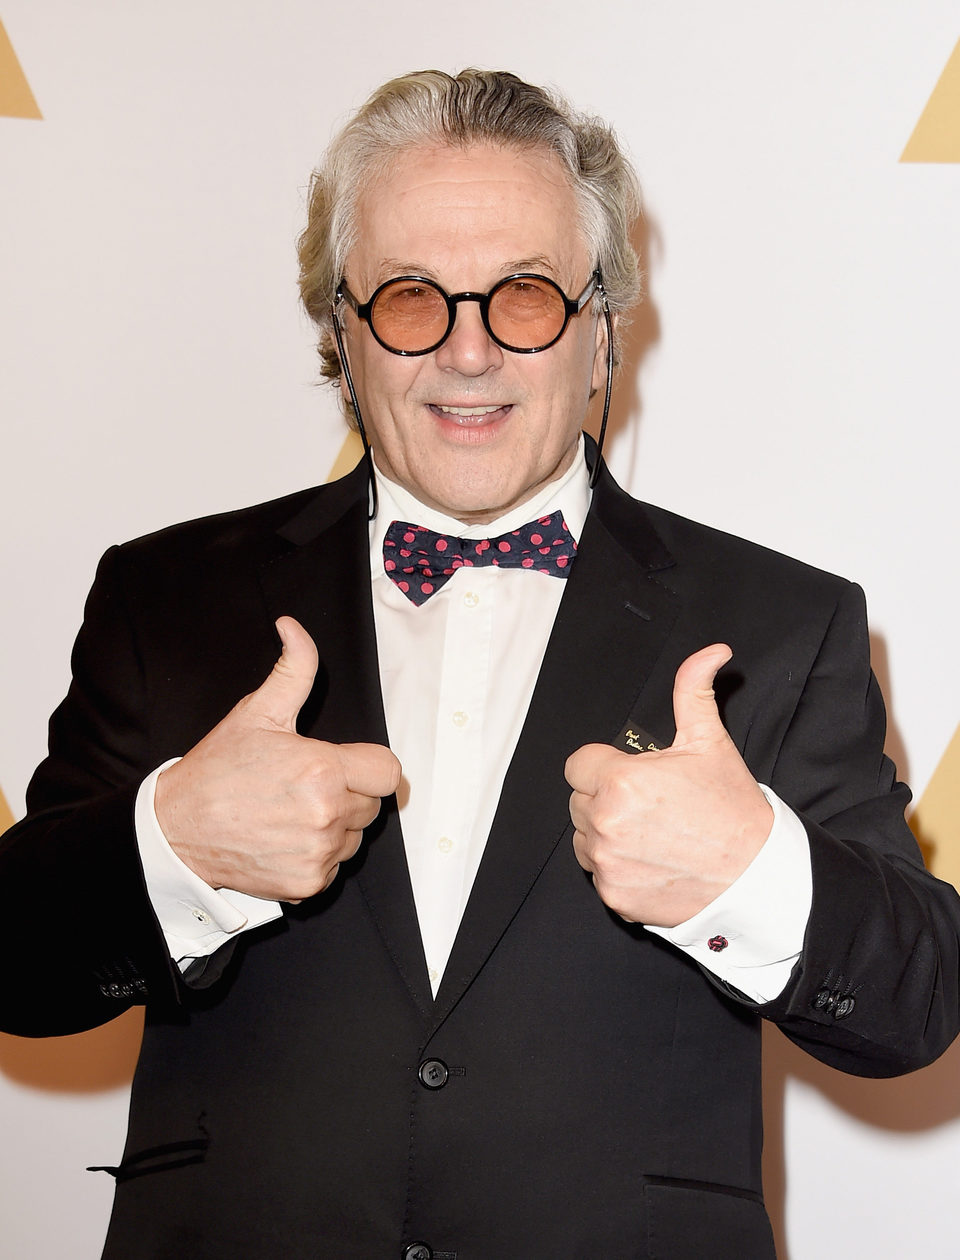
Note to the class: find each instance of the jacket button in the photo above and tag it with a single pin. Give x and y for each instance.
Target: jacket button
(844, 1007)
(824, 1001)
(433, 1075)
(417, 1251)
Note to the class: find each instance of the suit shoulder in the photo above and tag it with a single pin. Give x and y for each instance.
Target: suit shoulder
(255, 530)
(728, 557)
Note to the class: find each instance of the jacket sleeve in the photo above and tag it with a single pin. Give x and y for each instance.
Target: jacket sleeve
(875, 991)
(77, 931)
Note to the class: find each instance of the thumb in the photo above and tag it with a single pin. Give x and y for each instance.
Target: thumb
(282, 693)
(694, 705)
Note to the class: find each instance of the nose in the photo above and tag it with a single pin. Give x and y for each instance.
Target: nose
(469, 350)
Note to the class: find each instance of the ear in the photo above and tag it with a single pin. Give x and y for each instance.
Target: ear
(599, 379)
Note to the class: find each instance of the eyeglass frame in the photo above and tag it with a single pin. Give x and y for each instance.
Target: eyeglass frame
(571, 307)
(355, 401)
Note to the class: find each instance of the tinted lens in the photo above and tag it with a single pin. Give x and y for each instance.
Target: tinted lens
(526, 312)
(409, 315)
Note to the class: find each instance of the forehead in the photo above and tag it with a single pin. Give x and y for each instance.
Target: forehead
(467, 216)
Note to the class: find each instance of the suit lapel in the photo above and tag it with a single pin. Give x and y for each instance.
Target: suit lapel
(613, 623)
(328, 554)
(329, 549)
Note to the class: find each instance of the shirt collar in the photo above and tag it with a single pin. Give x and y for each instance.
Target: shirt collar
(569, 494)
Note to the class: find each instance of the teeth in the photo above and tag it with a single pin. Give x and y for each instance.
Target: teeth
(467, 411)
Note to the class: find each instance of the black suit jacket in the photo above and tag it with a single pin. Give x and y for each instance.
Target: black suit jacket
(578, 1088)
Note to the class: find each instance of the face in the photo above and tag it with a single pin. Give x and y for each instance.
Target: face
(471, 429)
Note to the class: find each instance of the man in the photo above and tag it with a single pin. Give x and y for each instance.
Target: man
(456, 931)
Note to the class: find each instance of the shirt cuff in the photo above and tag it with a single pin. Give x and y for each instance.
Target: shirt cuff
(195, 918)
(752, 934)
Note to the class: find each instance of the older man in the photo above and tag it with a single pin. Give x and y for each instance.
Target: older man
(408, 995)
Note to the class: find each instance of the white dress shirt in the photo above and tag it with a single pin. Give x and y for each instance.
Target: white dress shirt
(457, 675)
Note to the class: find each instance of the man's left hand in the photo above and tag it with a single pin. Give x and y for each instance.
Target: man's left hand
(665, 833)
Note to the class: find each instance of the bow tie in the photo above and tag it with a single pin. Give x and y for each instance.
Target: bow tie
(420, 561)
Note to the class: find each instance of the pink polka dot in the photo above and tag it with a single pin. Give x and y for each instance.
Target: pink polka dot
(427, 588)
(482, 546)
(544, 520)
(503, 546)
(389, 565)
(544, 551)
(536, 539)
(562, 561)
(441, 544)
(527, 563)
(404, 552)
(404, 586)
(409, 536)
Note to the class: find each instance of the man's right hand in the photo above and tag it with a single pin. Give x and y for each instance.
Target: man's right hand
(257, 808)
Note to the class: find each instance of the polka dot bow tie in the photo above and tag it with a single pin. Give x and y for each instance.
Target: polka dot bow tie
(420, 561)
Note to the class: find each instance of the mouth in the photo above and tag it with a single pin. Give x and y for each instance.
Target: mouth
(471, 417)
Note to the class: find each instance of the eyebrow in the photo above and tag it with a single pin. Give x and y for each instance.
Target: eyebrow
(538, 262)
(392, 267)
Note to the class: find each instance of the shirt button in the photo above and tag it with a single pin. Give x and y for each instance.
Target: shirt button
(434, 975)
(200, 915)
(444, 844)
(460, 718)
(471, 599)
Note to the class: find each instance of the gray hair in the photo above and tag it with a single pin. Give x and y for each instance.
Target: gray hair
(431, 108)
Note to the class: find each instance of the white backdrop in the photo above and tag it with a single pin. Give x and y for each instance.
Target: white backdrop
(794, 379)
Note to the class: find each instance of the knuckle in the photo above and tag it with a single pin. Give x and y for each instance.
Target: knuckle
(611, 896)
(601, 866)
(326, 817)
(329, 876)
(604, 826)
(300, 887)
(370, 813)
(621, 787)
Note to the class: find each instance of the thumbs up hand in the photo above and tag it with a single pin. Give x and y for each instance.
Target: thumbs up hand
(664, 833)
(257, 808)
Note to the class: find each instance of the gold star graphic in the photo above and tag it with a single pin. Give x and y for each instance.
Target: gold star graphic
(16, 99)
(936, 137)
(935, 820)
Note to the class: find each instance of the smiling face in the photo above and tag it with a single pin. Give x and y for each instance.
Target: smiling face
(471, 429)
